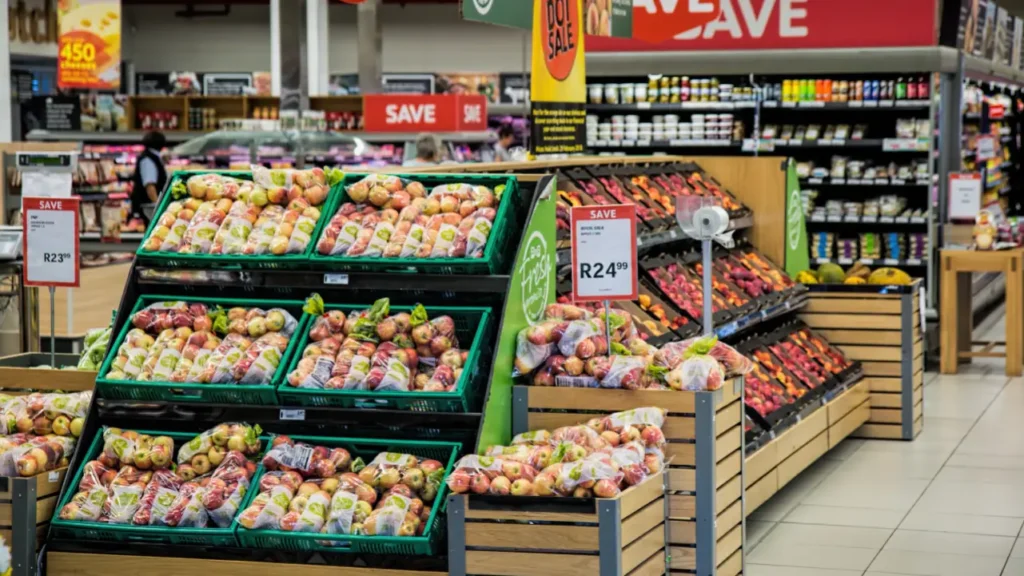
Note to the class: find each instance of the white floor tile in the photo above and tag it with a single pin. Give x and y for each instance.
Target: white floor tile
(882, 493)
(919, 465)
(813, 556)
(1018, 549)
(845, 450)
(986, 461)
(981, 475)
(920, 519)
(1014, 567)
(845, 536)
(934, 564)
(842, 516)
(968, 498)
(950, 543)
(764, 570)
(756, 531)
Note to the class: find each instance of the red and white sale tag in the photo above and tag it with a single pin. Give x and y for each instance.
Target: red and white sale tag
(50, 242)
(604, 252)
(424, 113)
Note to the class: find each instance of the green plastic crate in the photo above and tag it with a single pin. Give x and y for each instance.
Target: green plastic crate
(82, 530)
(229, 261)
(495, 253)
(427, 544)
(193, 392)
(470, 327)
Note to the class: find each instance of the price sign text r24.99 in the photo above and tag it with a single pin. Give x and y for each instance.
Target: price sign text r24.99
(604, 253)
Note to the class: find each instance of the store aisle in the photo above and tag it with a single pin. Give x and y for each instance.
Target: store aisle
(948, 504)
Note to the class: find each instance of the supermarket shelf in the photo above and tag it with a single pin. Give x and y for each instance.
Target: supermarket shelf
(856, 105)
(394, 137)
(814, 61)
(741, 325)
(619, 144)
(125, 236)
(876, 182)
(910, 262)
(673, 107)
(883, 220)
(886, 144)
(981, 69)
(134, 137)
(322, 280)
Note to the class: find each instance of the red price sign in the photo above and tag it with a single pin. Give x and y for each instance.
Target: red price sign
(50, 241)
(424, 113)
(604, 252)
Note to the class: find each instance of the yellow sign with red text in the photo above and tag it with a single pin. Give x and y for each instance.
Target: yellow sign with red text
(89, 46)
(558, 78)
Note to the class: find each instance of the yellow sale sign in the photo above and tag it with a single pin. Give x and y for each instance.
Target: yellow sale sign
(89, 47)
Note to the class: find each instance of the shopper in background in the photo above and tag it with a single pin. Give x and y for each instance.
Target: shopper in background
(428, 151)
(506, 137)
(150, 177)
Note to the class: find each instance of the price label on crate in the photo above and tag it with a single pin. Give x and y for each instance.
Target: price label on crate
(604, 253)
(50, 241)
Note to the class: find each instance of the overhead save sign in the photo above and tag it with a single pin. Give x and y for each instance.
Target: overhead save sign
(604, 253)
(424, 113)
(50, 242)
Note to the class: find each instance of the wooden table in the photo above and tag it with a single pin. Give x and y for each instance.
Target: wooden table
(957, 342)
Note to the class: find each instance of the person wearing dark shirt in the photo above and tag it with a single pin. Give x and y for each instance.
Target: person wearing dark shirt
(150, 177)
(506, 137)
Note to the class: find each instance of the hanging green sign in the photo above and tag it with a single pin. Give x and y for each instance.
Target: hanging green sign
(531, 290)
(514, 13)
(797, 254)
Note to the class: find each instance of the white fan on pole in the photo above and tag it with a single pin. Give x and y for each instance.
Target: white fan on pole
(701, 218)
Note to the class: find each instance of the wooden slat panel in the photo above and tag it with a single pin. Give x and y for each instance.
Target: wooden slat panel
(853, 305)
(848, 424)
(880, 431)
(881, 368)
(532, 536)
(518, 563)
(730, 393)
(728, 544)
(875, 353)
(759, 492)
(83, 564)
(641, 495)
(732, 566)
(527, 515)
(682, 532)
(876, 337)
(727, 494)
(607, 399)
(727, 468)
(728, 519)
(885, 416)
(682, 506)
(640, 523)
(681, 454)
(652, 567)
(676, 427)
(894, 400)
(881, 384)
(44, 511)
(863, 321)
(638, 552)
(795, 464)
(801, 433)
(682, 558)
(727, 443)
(728, 417)
(846, 402)
(760, 462)
(47, 483)
(682, 479)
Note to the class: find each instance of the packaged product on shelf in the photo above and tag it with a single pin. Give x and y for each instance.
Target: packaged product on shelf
(157, 499)
(870, 245)
(210, 448)
(895, 245)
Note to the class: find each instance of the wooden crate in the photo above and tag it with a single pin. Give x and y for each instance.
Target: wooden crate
(62, 563)
(820, 429)
(509, 536)
(26, 506)
(705, 433)
(880, 327)
(17, 373)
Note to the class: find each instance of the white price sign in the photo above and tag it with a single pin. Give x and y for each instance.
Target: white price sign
(986, 148)
(964, 196)
(51, 241)
(604, 253)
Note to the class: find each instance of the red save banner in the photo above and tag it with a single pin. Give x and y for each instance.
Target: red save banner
(424, 113)
(664, 25)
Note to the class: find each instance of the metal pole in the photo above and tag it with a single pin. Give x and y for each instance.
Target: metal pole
(53, 345)
(709, 325)
(608, 325)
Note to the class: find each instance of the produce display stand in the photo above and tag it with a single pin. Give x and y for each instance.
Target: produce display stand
(881, 327)
(704, 458)
(18, 374)
(338, 285)
(818, 429)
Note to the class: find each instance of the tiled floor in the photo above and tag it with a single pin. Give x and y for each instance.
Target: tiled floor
(951, 503)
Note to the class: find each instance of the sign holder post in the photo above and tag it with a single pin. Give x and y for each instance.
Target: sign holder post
(50, 227)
